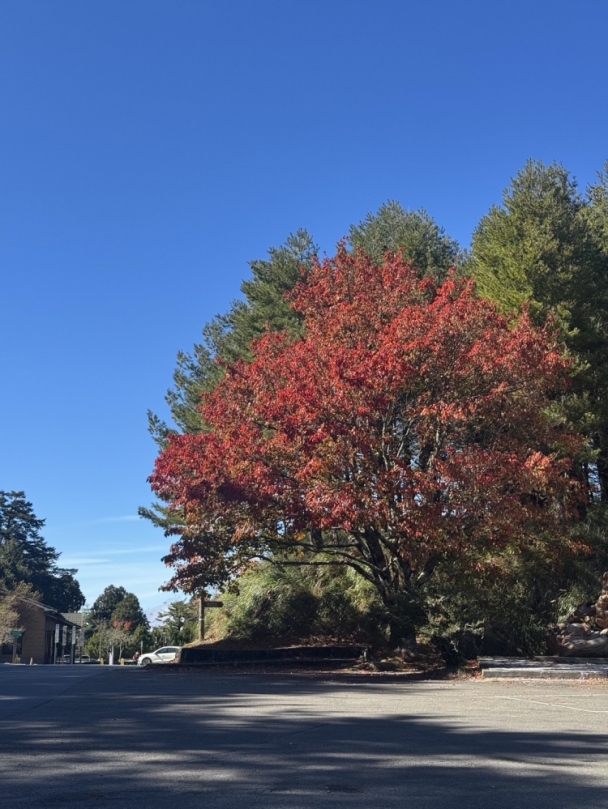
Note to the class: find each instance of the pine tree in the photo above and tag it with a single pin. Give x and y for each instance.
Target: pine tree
(542, 248)
(228, 338)
(180, 622)
(25, 556)
(128, 613)
(105, 604)
(596, 217)
(423, 242)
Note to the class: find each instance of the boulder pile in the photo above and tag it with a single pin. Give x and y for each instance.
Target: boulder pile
(585, 632)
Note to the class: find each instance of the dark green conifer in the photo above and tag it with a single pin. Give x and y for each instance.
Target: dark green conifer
(25, 556)
(546, 247)
(424, 243)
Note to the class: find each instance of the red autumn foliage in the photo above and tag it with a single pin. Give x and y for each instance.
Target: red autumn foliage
(126, 625)
(407, 426)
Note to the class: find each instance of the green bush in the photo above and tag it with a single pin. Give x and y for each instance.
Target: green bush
(297, 603)
(508, 609)
(505, 607)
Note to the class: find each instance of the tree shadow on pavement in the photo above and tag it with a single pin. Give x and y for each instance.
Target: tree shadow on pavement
(189, 740)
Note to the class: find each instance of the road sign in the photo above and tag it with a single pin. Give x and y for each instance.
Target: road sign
(16, 633)
(202, 606)
(57, 628)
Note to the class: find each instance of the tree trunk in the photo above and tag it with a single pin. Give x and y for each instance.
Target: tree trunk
(405, 615)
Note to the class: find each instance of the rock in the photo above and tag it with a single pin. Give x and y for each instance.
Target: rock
(585, 611)
(592, 645)
(602, 619)
(585, 632)
(573, 630)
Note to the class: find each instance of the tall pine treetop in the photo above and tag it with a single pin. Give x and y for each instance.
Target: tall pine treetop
(423, 242)
(25, 556)
(536, 248)
(228, 337)
(546, 247)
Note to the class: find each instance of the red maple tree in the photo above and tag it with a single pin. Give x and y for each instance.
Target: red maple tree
(407, 426)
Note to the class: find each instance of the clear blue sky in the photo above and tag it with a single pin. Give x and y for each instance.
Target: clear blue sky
(151, 149)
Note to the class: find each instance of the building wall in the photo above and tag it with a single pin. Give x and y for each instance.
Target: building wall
(33, 620)
(37, 641)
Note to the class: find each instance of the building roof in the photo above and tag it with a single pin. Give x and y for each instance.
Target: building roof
(58, 617)
(77, 618)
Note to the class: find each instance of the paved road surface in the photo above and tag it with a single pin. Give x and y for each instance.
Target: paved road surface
(120, 737)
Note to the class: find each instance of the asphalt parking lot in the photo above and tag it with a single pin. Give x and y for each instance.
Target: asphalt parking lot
(121, 737)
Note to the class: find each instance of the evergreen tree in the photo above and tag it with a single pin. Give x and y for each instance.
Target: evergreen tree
(423, 242)
(536, 248)
(129, 613)
(104, 606)
(180, 622)
(596, 217)
(116, 619)
(546, 247)
(25, 556)
(228, 338)
(597, 210)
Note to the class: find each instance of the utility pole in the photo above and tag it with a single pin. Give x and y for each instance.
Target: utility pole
(201, 615)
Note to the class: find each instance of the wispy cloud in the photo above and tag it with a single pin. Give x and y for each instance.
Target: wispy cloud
(139, 570)
(148, 549)
(94, 557)
(125, 518)
(100, 521)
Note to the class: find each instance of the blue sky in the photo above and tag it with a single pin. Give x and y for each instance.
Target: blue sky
(151, 149)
